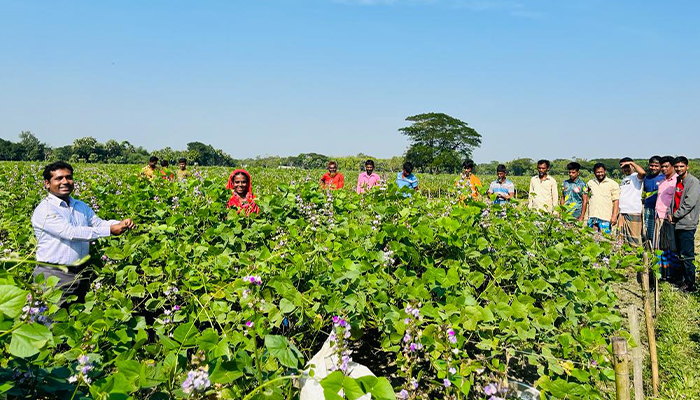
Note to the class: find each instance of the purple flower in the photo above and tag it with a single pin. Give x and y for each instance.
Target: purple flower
(249, 324)
(452, 370)
(253, 279)
(446, 382)
(402, 395)
(491, 389)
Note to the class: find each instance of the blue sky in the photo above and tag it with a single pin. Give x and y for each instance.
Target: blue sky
(537, 78)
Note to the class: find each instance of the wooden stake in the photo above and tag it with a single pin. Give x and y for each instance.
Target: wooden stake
(650, 327)
(636, 353)
(622, 373)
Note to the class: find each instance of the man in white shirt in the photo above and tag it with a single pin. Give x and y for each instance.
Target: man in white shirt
(64, 227)
(631, 206)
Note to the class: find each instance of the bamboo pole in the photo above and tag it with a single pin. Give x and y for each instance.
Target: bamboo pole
(622, 373)
(650, 327)
(636, 353)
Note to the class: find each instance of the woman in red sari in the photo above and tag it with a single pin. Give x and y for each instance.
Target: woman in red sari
(242, 196)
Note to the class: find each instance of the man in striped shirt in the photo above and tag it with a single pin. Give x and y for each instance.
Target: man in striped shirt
(64, 227)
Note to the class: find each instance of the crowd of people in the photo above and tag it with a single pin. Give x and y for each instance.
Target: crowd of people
(658, 207)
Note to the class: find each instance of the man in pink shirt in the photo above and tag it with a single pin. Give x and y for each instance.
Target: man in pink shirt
(368, 178)
(666, 191)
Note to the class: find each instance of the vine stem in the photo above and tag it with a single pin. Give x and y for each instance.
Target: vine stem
(257, 389)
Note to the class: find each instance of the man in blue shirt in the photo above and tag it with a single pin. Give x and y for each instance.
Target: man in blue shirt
(406, 178)
(651, 192)
(501, 187)
(575, 192)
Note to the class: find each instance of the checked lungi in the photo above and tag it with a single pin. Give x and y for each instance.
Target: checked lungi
(631, 228)
(649, 224)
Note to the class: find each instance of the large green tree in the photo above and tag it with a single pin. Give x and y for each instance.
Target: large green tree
(439, 142)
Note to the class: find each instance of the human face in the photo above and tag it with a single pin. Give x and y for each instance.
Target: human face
(542, 170)
(467, 171)
(600, 174)
(152, 164)
(183, 166)
(654, 167)
(240, 185)
(626, 168)
(369, 168)
(333, 169)
(61, 183)
(501, 175)
(667, 169)
(573, 174)
(681, 169)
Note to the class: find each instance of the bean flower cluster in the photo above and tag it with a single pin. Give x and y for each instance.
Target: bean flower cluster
(170, 311)
(84, 367)
(411, 351)
(34, 311)
(495, 391)
(197, 380)
(339, 341)
(388, 257)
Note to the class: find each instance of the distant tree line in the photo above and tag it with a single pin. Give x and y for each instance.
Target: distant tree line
(88, 149)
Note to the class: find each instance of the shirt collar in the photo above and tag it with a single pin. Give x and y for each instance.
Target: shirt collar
(53, 199)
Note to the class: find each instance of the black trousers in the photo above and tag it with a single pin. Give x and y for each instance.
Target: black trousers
(685, 242)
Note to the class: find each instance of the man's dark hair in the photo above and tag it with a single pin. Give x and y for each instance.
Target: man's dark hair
(56, 166)
(369, 162)
(183, 160)
(599, 165)
(153, 159)
(655, 159)
(546, 162)
(666, 159)
(501, 168)
(408, 167)
(680, 159)
(164, 163)
(626, 159)
(468, 163)
(573, 166)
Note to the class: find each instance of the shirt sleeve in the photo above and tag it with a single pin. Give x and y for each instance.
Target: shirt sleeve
(97, 222)
(56, 225)
(530, 199)
(688, 201)
(555, 194)
(615, 192)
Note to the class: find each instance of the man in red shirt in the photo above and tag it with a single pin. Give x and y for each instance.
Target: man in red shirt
(684, 213)
(332, 179)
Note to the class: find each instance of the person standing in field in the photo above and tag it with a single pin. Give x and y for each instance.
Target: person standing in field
(468, 182)
(242, 197)
(503, 188)
(405, 178)
(367, 179)
(149, 171)
(684, 212)
(182, 172)
(575, 192)
(631, 206)
(332, 179)
(652, 180)
(64, 228)
(664, 238)
(544, 194)
(603, 200)
(165, 171)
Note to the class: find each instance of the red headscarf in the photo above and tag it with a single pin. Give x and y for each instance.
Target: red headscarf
(249, 206)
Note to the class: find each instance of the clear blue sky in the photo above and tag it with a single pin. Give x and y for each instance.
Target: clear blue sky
(537, 78)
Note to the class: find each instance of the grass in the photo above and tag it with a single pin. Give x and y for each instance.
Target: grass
(678, 342)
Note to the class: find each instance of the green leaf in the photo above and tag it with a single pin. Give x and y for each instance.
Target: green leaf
(225, 372)
(29, 339)
(333, 382)
(12, 300)
(285, 352)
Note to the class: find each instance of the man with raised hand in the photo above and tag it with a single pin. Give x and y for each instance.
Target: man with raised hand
(574, 193)
(367, 179)
(631, 206)
(651, 190)
(332, 179)
(603, 200)
(544, 194)
(684, 212)
(64, 227)
(503, 188)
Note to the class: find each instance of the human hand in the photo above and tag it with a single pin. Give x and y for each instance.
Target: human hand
(119, 228)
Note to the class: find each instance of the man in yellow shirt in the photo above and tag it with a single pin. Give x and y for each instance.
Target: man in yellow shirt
(544, 194)
(603, 200)
(182, 172)
(468, 183)
(151, 170)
